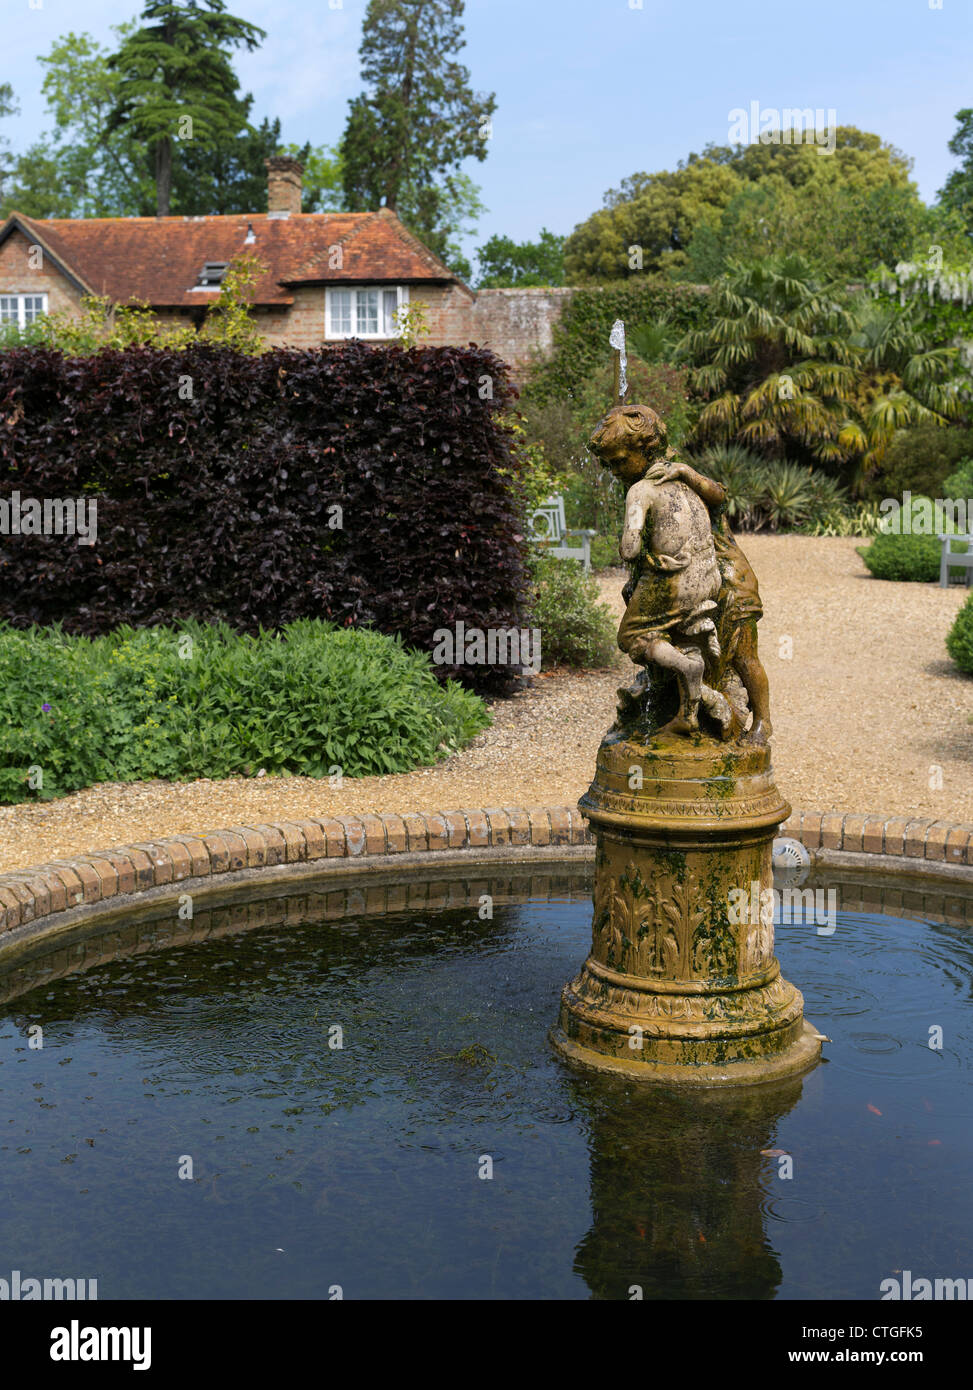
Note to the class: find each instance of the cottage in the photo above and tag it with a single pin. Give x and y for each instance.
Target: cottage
(327, 276)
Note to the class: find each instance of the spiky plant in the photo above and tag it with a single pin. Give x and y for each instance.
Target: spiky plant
(654, 341)
(789, 366)
(741, 472)
(786, 498)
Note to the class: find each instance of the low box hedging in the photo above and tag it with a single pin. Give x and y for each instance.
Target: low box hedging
(959, 642)
(367, 486)
(909, 558)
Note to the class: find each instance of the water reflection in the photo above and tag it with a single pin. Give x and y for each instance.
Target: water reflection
(209, 1036)
(679, 1183)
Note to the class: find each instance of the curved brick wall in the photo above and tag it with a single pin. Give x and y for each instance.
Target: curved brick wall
(30, 895)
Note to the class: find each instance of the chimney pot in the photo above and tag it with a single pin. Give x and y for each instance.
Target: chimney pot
(284, 176)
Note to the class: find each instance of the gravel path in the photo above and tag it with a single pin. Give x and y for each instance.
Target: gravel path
(869, 715)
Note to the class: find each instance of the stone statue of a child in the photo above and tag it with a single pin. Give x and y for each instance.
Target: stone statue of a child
(671, 596)
(739, 603)
(631, 443)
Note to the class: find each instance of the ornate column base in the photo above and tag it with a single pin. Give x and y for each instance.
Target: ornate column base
(682, 986)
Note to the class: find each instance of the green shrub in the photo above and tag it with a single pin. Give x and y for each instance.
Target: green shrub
(786, 499)
(581, 334)
(663, 387)
(827, 498)
(864, 519)
(913, 558)
(604, 553)
(919, 460)
(960, 483)
(576, 628)
(774, 493)
(741, 473)
(959, 643)
(204, 701)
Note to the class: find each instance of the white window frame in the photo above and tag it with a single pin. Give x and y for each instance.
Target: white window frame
(335, 335)
(21, 296)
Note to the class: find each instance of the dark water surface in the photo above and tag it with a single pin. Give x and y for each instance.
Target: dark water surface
(359, 1167)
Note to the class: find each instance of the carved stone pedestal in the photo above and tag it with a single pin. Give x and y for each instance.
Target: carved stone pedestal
(682, 985)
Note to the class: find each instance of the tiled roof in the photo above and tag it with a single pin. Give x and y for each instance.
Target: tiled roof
(159, 260)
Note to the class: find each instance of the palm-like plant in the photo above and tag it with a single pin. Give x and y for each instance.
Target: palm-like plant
(742, 473)
(790, 367)
(653, 341)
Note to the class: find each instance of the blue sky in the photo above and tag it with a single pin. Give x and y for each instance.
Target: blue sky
(589, 91)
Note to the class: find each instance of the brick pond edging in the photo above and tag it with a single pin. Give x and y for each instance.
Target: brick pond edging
(29, 896)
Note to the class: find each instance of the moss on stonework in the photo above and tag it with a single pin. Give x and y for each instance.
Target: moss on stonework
(673, 862)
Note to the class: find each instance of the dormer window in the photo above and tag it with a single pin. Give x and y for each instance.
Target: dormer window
(211, 275)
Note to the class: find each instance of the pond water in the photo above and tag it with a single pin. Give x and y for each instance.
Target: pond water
(364, 1167)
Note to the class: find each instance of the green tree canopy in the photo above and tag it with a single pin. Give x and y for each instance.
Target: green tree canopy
(91, 166)
(77, 171)
(8, 107)
(788, 365)
(849, 210)
(416, 121)
(176, 82)
(957, 192)
(505, 262)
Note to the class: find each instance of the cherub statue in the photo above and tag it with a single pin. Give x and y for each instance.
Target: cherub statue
(692, 602)
(739, 603)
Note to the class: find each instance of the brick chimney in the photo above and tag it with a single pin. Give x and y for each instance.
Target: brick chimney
(284, 184)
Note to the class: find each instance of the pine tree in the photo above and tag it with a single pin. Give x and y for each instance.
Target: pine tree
(176, 81)
(418, 118)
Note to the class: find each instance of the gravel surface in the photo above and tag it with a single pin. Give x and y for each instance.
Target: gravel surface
(869, 716)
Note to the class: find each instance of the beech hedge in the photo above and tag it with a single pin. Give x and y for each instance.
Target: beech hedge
(369, 486)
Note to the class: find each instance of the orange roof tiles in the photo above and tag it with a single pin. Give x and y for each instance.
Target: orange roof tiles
(159, 260)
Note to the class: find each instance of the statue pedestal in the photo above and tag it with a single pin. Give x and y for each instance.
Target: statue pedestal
(682, 985)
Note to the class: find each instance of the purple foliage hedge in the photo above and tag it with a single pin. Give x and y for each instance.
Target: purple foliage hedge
(218, 506)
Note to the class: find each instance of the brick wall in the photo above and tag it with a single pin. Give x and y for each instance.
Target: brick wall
(302, 325)
(518, 324)
(515, 324)
(299, 326)
(18, 276)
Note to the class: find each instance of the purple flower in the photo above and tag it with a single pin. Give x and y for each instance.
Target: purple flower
(46, 709)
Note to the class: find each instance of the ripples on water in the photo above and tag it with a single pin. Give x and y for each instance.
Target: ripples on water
(315, 1166)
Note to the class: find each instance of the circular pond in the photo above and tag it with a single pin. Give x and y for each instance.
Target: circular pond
(351, 1090)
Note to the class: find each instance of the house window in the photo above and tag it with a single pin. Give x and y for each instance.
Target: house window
(367, 312)
(22, 309)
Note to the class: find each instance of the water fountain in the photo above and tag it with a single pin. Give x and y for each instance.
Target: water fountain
(349, 1046)
(682, 984)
